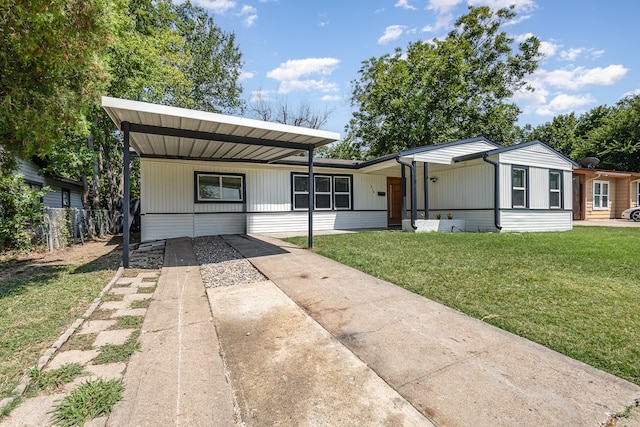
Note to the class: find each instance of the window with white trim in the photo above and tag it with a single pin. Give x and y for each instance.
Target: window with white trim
(211, 187)
(600, 195)
(331, 192)
(519, 187)
(555, 189)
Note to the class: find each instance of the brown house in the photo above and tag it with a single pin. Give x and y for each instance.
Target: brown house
(604, 194)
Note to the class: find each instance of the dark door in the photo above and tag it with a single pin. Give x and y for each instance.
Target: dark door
(578, 197)
(394, 201)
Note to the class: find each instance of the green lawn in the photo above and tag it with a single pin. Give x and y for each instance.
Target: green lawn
(37, 304)
(576, 292)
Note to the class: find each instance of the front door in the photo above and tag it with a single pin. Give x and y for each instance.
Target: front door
(578, 197)
(394, 201)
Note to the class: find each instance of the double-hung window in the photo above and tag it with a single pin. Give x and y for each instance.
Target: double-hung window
(213, 187)
(600, 195)
(555, 189)
(331, 192)
(519, 181)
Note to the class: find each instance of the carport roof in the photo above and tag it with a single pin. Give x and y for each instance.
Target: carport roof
(171, 132)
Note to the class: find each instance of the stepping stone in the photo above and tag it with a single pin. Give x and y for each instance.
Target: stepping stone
(115, 337)
(33, 412)
(146, 284)
(130, 312)
(107, 371)
(146, 275)
(137, 297)
(124, 291)
(125, 280)
(72, 356)
(114, 305)
(95, 326)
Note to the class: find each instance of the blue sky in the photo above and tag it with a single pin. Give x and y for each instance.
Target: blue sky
(309, 51)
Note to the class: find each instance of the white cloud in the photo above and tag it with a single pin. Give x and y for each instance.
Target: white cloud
(631, 93)
(442, 6)
(563, 103)
(391, 33)
(404, 4)
(520, 5)
(249, 15)
(548, 49)
(245, 75)
(218, 6)
(330, 98)
(579, 77)
(291, 74)
(574, 53)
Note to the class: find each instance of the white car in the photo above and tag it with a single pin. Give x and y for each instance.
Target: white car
(632, 213)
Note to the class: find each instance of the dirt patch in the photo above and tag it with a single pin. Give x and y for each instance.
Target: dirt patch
(102, 253)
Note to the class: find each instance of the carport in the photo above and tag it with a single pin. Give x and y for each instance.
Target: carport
(160, 131)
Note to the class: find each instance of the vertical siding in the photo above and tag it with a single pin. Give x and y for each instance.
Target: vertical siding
(621, 197)
(538, 188)
(567, 182)
(461, 187)
(505, 186)
(365, 192)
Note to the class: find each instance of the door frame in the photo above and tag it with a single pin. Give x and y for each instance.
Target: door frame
(392, 207)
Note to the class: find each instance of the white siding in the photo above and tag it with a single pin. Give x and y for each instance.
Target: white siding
(155, 227)
(567, 188)
(523, 220)
(538, 188)
(459, 187)
(446, 154)
(298, 221)
(216, 224)
(535, 155)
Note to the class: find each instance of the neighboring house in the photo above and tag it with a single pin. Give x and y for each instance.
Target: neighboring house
(63, 192)
(207, 174)
(603, 194)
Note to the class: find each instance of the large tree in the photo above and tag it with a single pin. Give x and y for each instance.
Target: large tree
(51, 69)
(442, 90)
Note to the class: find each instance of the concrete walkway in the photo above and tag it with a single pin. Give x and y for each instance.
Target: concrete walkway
(456, 370)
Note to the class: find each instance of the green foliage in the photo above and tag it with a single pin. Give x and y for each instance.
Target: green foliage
(344, 149)
(443, 90)
(90, 400)
(52, 69)
(20, 206)
(52, 380)
(610, 133)
(119, 353)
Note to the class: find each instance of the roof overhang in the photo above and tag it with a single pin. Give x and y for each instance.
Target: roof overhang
(171, 132)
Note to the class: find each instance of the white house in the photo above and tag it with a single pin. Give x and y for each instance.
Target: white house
(207, 174)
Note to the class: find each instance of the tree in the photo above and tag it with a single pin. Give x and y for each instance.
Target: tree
(51, 69)
(282, 112)
(344, 149)
(616, 138)
(443, 90)
(561, 133)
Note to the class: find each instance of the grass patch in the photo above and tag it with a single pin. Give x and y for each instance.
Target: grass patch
(37, 304)
(119, 353)
(128, 322)
(79, 342)
(90, 400)
(146, 289)
(577, 292)
(109, 297)
(53, 380)
(141, 303)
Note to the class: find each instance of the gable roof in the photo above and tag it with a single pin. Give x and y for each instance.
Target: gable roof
(171, 132)
(513, 148)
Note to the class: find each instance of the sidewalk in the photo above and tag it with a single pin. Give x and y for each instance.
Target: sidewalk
(456, 370)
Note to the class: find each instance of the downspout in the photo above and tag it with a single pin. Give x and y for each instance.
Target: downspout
(414, 214)
(496, 191)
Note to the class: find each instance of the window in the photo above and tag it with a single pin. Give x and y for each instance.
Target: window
(555, 189)
(66, 198)
(600, 195)
(519, 186)
(219, 188)
(332, 192)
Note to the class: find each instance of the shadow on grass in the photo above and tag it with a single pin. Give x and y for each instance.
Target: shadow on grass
(34, 274)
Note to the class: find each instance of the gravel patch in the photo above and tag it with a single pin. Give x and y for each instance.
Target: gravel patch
(222, 265)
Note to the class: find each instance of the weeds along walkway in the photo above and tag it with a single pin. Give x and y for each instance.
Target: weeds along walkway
(94, 350)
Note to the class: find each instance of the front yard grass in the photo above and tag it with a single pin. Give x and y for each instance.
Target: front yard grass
(577, 292)
(37, 304)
